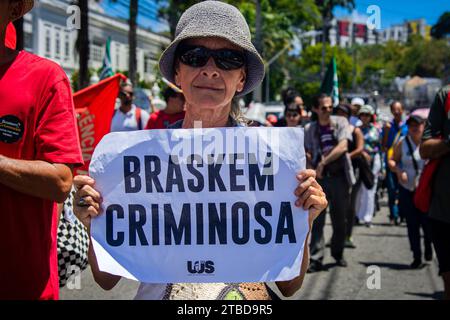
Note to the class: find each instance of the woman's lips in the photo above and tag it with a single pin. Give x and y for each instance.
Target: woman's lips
(208, 88)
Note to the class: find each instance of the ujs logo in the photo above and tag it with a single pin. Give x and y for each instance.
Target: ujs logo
(199, 267)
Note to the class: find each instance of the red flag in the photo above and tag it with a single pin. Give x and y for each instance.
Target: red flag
(95, 108)
(10, 40)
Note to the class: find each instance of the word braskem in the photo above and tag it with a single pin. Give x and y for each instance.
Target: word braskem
(247, 223)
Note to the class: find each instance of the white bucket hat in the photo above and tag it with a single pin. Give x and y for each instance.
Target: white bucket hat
(215, 19)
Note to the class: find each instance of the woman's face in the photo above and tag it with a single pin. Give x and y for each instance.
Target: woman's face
(365, 118)
(415, 129)
(209, 87)
(292, 118)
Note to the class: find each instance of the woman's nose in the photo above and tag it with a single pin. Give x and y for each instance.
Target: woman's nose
(210, 70)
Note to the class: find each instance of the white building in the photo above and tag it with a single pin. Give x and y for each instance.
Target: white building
(46, 34)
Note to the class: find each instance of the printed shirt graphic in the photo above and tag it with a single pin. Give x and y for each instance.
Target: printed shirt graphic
(37, 122)
(371, 139)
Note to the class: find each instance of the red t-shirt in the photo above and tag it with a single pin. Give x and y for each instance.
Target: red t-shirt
(37, 122)
(161, 120)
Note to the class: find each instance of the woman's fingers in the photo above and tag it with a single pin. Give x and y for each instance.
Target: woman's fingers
(81, 180)
(305, 174)
(303, 186)
(308, 193)
(87, 191)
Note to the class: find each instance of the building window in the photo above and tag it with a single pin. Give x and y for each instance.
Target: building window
(28, 41)
(48, 49)
(118, 56)
(57, 43)
(97, 51)
(66, 47)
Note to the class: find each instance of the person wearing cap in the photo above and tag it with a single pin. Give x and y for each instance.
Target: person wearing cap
(356, 104)
(366, 197)
(355, 149)
(392, 132)
(326, 146)
(407, 164)
(213, 61)
(39, 145)
(436, 145)
(174, 111)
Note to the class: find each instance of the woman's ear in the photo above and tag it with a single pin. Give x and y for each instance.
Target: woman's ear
(241, 83)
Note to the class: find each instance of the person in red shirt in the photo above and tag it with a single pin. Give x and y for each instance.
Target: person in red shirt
(39, 145)
(174, 111)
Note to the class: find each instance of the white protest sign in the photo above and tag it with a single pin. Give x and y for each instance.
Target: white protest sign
(200, 205)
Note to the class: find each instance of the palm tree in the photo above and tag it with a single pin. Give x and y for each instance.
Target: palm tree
(132, 41)
(82, 45)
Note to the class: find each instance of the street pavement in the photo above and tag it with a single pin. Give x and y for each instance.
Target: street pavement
(384, 246)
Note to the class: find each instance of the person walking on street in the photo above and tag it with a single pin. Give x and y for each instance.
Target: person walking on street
(355, 150)
(436, 145)
(392, 132)
(128, 117)
(407, 165)
(326, 146)
(366, 197)
(39, 146)
(174, 111)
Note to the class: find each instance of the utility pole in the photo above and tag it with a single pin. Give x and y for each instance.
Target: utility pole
(267, 65)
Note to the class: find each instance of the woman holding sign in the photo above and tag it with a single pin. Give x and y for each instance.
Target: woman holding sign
(213, 60)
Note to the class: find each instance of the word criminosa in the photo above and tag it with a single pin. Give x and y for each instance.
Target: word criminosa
(200, 224)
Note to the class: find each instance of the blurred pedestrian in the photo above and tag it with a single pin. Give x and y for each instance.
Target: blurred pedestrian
(292, 117)
(436, 145)
(326, 146)
(392, 132)
(356, 104)
(174, 111)
(407, 165)
(355, 149)
(365, 202)
(128, 117)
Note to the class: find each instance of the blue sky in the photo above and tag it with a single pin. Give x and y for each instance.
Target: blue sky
(148, 13)
(392, 11)
(396, 11)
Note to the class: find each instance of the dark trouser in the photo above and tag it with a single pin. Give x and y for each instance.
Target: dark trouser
(415, 219)
(337, 191)
(440, 233)
(392, 187)
(350, 220)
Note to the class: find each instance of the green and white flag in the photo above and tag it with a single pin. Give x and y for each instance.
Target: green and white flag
(330, 84)
(106, 68)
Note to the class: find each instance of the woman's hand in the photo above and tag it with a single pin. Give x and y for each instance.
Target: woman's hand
(310, 195)
(402, 176)
(87, 201)
(367, 157)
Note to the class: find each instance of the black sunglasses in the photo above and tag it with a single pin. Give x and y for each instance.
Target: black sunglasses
(197, 57)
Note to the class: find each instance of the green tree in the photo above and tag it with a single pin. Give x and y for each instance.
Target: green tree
(442, 27)
(306, 77)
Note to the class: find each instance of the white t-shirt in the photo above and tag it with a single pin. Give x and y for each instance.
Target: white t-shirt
(127, 121)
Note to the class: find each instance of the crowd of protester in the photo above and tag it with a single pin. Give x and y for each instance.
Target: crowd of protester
(350, 154)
